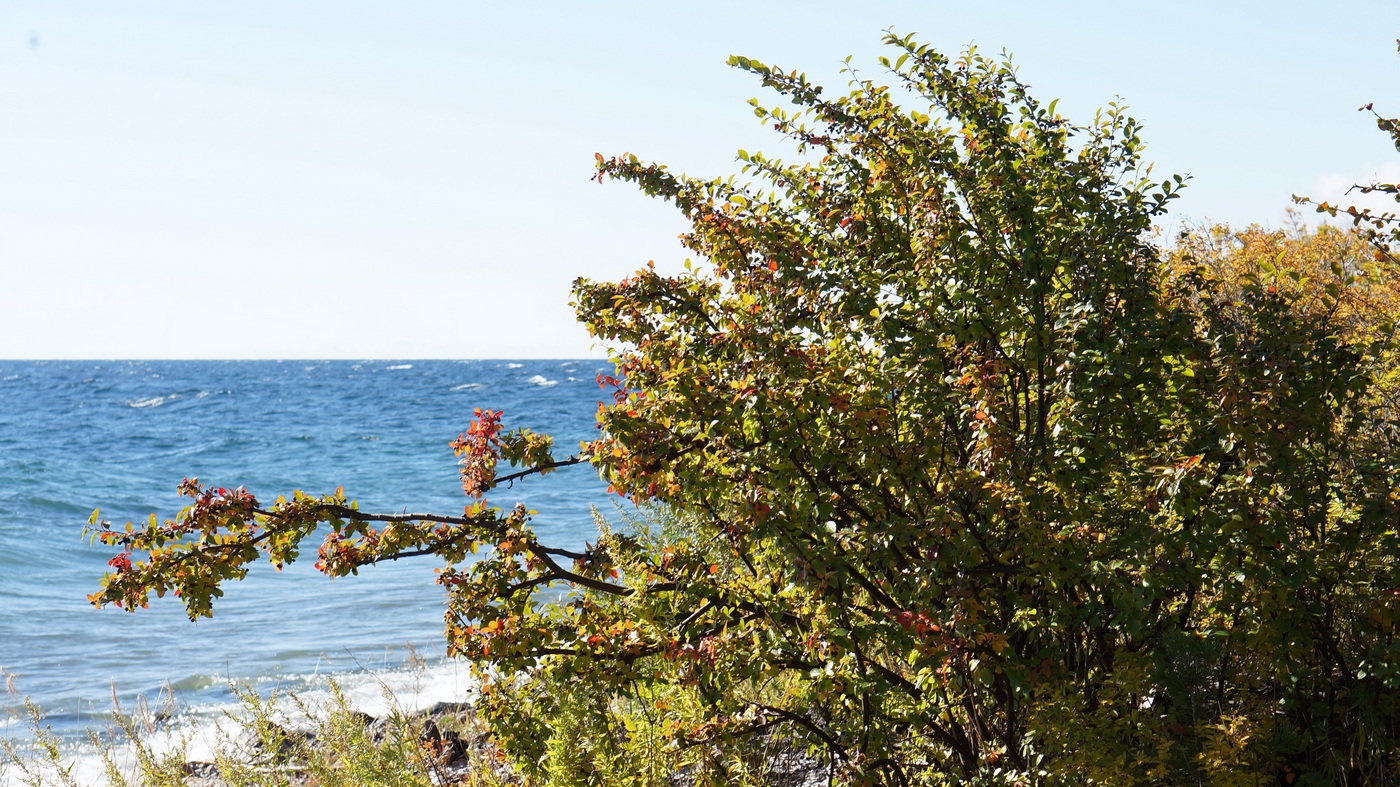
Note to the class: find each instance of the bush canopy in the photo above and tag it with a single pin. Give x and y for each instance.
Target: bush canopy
(948, 472)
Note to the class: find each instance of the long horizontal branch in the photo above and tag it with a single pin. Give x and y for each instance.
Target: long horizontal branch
(359, 516)
(545, 554)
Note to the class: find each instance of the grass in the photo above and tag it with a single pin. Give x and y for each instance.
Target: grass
(281, 740)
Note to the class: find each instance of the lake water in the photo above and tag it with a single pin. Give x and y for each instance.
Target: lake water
(119, 435)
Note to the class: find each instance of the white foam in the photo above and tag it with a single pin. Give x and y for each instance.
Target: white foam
(401, 366)
(154, 401)
(405, 690)
(466, 386)
(514, 365)
(542, 381)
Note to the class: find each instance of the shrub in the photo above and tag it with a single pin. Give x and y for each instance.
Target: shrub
(968, 481)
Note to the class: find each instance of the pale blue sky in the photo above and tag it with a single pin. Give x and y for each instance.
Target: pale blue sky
(254, 179)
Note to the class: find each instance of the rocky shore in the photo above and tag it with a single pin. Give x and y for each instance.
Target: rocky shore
(454, 746)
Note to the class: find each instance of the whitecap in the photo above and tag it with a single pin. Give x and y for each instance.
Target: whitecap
(541, 381)
(466, 386)
(514, 365)
(401, 366)
(154, 401)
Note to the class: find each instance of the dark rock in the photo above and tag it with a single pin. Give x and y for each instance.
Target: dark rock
(443, 709)
(363, 719)
(277, 744)
(199, 773)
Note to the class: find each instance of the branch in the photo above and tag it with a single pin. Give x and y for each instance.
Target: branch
(811, 726)
(509, 480)
(359, 516)
(579, 579)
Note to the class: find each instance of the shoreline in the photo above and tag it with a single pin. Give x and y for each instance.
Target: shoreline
(202, 729)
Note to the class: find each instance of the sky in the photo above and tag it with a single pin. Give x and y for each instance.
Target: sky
(349, 179)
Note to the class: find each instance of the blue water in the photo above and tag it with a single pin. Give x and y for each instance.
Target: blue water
(119, 435)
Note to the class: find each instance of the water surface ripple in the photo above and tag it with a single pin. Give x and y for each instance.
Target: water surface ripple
(120, 435)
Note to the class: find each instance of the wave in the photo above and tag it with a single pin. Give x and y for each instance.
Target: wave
(401, 366)
(270, 427)
(154, 401)
(157, 401)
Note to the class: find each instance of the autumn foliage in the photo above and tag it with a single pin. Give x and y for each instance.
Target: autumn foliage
(947, 473)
